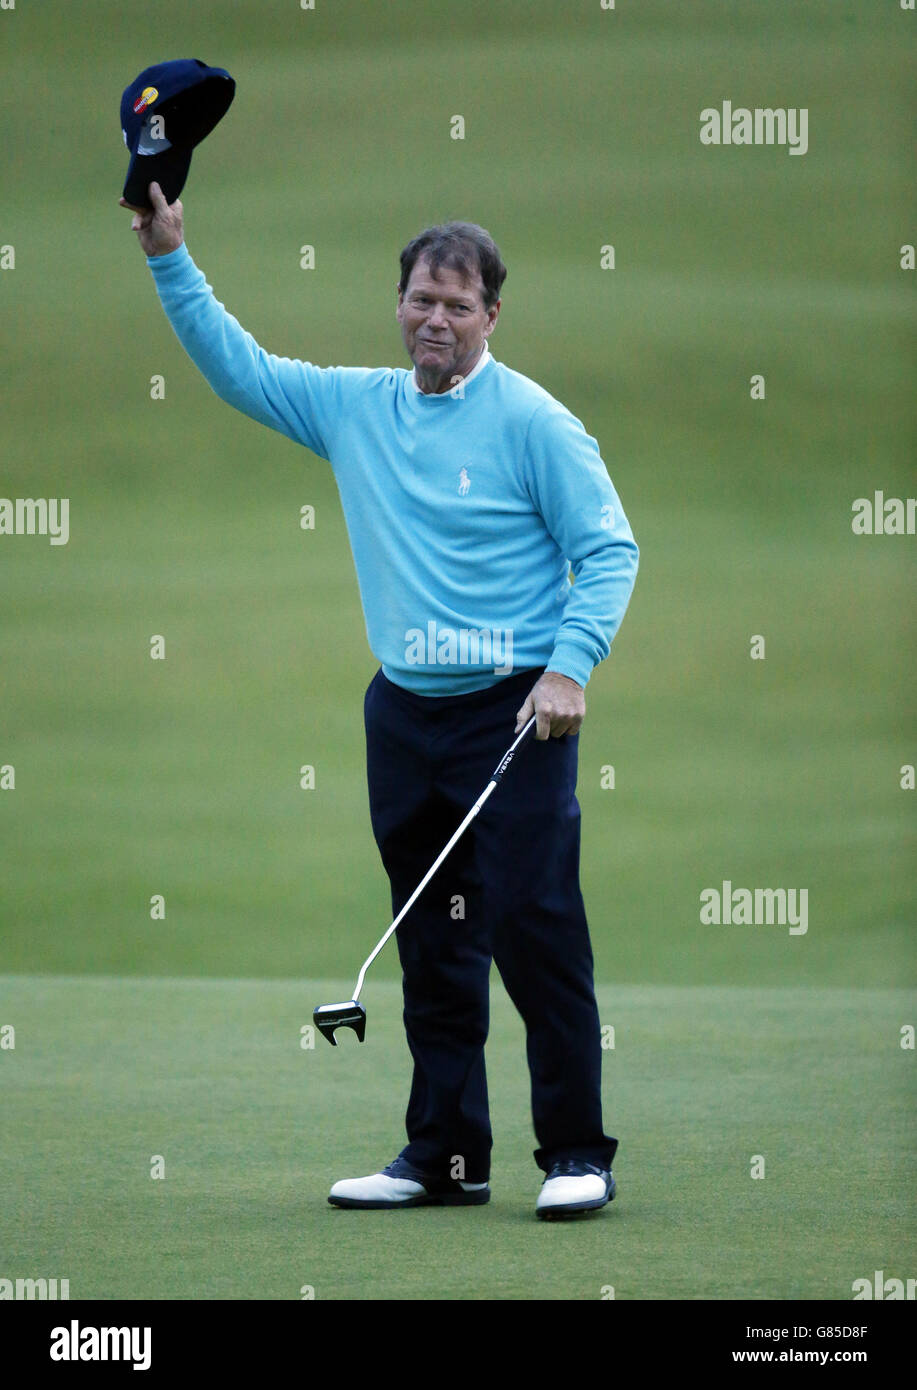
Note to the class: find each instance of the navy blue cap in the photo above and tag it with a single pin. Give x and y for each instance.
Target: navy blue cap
(167, 110)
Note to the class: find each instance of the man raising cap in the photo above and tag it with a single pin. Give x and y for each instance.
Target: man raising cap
(469, 494)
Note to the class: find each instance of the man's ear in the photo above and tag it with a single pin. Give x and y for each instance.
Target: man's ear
(400, 303)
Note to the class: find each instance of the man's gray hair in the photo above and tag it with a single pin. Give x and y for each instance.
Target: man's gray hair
(461, 246)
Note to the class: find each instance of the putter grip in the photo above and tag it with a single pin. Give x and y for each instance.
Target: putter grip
(520, 742)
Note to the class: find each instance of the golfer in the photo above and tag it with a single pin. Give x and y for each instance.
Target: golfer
(470, 494)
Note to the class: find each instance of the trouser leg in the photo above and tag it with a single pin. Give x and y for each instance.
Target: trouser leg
(443, 946)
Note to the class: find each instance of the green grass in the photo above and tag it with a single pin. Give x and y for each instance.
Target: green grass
(253, 1130)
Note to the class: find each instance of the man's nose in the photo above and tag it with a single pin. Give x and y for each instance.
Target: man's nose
(438, 317)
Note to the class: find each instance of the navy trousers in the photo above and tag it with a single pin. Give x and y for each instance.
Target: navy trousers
(508, 892)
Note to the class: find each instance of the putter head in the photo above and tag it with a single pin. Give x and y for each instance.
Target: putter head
(348, 1015)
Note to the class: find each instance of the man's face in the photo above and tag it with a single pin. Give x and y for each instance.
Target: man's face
(443, 324)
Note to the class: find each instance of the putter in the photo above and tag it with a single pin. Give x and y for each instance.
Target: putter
(351, 1013)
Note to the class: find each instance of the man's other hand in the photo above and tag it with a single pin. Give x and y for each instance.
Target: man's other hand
(559, 706)
(159, 229)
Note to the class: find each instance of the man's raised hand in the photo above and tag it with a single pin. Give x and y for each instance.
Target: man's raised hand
(159, 229)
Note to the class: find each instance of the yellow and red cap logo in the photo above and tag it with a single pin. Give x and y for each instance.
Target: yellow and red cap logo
(145, 99)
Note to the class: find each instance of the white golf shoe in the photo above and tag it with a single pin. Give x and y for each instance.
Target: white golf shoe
(400, 1185)
(571, 1188)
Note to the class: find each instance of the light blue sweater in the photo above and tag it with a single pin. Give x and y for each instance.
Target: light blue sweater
(465, 511)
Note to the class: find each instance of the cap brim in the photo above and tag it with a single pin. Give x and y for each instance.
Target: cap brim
(169, 169)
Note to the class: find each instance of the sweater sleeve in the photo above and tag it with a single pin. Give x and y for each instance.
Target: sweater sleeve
(298, 399)
(570, 486)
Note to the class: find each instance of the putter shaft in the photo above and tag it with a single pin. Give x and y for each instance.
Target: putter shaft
(492, 784)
